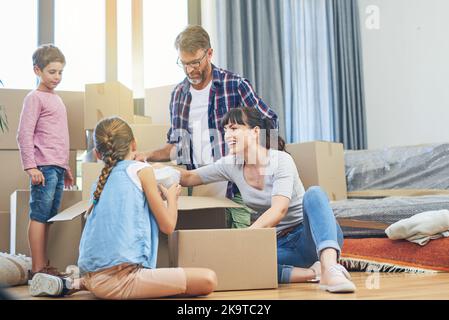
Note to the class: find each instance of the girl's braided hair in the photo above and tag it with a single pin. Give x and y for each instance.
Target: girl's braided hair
(113, 138)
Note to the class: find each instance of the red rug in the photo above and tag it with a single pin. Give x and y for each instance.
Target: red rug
(385, 255)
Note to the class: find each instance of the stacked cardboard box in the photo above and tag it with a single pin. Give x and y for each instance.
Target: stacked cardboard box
(13, 176)
(12, 102)
(321, 163)
(142, 120)
(150, 136)
(157, 101)
(107, 99)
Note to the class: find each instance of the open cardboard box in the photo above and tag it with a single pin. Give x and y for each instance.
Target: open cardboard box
(243, 259)
(193, 213)
(63, 241)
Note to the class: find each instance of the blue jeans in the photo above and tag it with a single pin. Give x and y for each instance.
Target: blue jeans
(46, 200)
(302, 246)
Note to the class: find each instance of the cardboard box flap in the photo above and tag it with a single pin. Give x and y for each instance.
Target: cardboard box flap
(72, 212)
(184, 203)
(194, 203)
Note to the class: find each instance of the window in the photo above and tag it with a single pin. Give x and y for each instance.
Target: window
(163, 21)
(18, 38)
(80, 34)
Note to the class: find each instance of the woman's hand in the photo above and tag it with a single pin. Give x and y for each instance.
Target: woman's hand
(37, 177)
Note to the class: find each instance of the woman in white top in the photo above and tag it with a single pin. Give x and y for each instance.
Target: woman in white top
(309, 239)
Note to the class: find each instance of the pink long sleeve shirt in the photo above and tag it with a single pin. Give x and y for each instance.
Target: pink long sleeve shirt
(43, 134)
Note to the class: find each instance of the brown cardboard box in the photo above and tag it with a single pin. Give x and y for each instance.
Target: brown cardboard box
(107, 99)
(4, 231)
(90, 171)
(74, 102)
(193, 213)
(215, 189)
(157, 103)
(142, 119)
(321, 163)
(13, 177)
(12, 101)
(150, 136)
(243, 259)
(63, 241)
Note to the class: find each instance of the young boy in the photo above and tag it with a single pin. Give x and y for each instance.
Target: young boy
(43, 138)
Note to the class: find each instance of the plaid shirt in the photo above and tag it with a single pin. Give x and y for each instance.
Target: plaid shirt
(228, 90)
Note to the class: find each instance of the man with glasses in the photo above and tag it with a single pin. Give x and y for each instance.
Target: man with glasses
(197, 106)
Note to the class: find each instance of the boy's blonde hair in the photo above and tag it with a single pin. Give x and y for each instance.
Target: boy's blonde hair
(191, 39)
(113, 138)
(46, 54)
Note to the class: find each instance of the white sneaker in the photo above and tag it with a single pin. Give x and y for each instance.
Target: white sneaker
(345, 284)
(44, 284)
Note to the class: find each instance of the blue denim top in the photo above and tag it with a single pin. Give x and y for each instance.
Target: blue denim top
(121, 228)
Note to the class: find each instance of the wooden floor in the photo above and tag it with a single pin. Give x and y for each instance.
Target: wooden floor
(369, 286)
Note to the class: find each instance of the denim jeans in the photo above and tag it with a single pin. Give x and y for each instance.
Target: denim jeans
(302, 246)
(46, 200)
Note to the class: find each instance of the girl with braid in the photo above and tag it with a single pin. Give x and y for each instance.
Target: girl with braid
(118, 248)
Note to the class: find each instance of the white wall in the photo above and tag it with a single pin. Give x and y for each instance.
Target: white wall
(406, 68)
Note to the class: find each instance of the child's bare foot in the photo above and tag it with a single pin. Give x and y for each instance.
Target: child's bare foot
(336, 279)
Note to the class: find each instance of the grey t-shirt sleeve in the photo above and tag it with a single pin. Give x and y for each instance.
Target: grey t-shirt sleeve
(283, 176)
(214, 172)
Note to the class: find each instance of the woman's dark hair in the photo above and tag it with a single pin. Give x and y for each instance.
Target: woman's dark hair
(252, 118)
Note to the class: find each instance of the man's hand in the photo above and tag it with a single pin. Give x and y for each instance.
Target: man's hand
(36, 176)
(141, 156)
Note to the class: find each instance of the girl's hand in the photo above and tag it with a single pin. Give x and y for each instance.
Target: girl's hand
(37, 177)
(172, 193)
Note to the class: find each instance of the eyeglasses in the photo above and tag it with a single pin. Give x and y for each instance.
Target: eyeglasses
(194, 64)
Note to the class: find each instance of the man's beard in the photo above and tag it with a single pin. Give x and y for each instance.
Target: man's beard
(196, 81)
